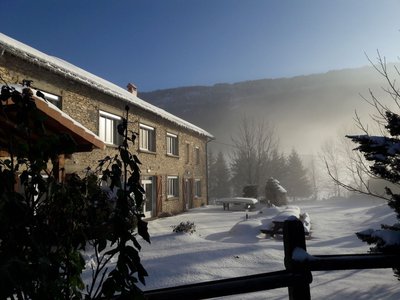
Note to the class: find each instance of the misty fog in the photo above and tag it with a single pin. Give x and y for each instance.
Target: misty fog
(305, 110)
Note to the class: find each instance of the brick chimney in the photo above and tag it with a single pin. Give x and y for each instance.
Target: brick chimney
(132, 89)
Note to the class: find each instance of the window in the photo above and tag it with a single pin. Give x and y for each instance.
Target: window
(147, 138)
(197, 155)
(108, 128)
(197, 188)
(172, 186)
(53, 99)
(172, 144)
(187, 152)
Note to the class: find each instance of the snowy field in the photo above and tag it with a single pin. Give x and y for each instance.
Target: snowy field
(226, 245)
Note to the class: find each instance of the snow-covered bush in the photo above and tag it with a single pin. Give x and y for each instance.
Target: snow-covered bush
(186, 227)
(275, 193)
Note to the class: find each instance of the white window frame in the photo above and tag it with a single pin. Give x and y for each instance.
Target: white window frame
(197, 188)
(54, 99)
(172, 144)
(147, 138)
(172, 186)
(108, 127)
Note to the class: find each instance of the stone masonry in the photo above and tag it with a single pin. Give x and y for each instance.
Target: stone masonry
(83, 103)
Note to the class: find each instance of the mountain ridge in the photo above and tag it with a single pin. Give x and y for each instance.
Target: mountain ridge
(303, 108)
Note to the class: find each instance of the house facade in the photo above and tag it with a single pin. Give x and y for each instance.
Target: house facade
(173, 152)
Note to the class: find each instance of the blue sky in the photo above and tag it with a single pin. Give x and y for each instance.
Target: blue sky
(159, 44)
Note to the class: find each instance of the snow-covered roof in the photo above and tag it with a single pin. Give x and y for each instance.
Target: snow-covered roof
(56, 121)
(75, 73)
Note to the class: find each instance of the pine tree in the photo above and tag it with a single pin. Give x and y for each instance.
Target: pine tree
(211, 172)
(296, 180)
(383, 153)
(277, 166)
(219, 177)
(313, 179)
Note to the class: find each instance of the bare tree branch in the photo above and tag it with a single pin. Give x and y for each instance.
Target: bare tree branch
(352, 188)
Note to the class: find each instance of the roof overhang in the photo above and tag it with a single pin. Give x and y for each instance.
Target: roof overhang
(55, 122)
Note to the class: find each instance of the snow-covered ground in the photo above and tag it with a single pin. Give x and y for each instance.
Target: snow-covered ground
(227, 245)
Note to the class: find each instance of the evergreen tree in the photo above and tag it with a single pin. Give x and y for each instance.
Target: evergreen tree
(211, 172)
(313, 179)
(296, 180)
(219, 177)
(277, 166)
(383, 153)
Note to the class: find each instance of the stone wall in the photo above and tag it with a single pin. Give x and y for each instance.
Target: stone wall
(83, 103)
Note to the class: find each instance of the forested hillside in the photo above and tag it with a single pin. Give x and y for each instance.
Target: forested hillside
(303, 109)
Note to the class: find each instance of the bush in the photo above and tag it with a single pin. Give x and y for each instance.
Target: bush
(47, 224)
(250, 191)
(187, 227)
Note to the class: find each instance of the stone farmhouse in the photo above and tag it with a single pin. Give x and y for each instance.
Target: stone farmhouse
(173, 151)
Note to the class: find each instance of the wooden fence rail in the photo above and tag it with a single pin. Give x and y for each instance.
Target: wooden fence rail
(297, 276)
(226, 287)
(352, 262)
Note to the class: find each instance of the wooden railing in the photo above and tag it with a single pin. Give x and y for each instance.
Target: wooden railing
(297, 276)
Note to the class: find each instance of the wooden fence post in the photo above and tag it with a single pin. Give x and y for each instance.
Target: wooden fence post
(293, 237)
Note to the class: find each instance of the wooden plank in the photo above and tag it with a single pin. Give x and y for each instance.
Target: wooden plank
(231, 286)
(352, 262)
(293, 237)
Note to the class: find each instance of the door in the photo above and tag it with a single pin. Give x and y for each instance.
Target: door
(188, 193)
(149, 207)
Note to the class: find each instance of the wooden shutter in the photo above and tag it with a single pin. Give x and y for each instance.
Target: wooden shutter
(159, 194)
(184, 194)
